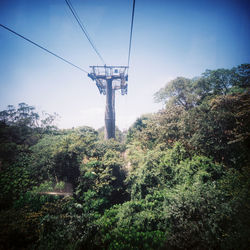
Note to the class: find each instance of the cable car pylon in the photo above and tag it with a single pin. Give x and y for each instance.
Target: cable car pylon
(108, 79)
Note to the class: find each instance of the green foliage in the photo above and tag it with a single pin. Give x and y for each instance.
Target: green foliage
(132, 225)
(179, 92)
(206, 216)
(20, 128)
(46, 186)
(101, 147)
(196, 215)
(137, 131)
(219, 129)
(216, 128)
(60, 186)
(58, 157)
(65, 226)
(181, 180)
(15, 181)
(199, 169)
(24, 117)
(101, 181)
(191, 92)
(165, 169)
(224, 81)
(19, 228)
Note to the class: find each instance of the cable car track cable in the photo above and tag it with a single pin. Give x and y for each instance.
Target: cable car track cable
(131, 31)
(84, 30)
(41, 47)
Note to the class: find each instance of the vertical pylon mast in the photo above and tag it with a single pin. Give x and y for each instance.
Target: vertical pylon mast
(109, 79)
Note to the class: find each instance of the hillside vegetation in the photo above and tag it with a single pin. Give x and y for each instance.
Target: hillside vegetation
(178, 179)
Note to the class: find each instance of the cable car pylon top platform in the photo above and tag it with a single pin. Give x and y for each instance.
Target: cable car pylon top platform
(118, 75)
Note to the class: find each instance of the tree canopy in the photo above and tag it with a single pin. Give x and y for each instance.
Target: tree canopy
(177, 179)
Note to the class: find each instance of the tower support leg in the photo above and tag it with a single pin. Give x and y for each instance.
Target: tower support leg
(113, 109)
(110, 111)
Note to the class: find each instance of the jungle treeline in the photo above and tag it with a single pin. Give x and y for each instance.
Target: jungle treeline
(177, 179)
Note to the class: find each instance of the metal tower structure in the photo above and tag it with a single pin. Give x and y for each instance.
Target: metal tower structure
(109, 79)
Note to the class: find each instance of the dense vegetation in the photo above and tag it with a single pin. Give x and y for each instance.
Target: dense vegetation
(179, 180)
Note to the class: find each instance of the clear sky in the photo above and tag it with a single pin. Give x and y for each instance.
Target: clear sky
(171, 38)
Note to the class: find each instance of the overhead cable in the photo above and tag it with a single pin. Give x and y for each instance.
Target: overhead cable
(83, 29)
(41, 47)
(131, 31)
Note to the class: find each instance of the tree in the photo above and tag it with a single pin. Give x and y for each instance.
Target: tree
(21, 128)
(58, 157)
(219, 129)
(178, 92)
(191, 92)
(243, 76)
(25, 116)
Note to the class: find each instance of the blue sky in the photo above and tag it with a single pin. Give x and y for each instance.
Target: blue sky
(171, 38)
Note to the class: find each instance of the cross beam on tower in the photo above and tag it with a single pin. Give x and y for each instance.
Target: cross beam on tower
(109, 79)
